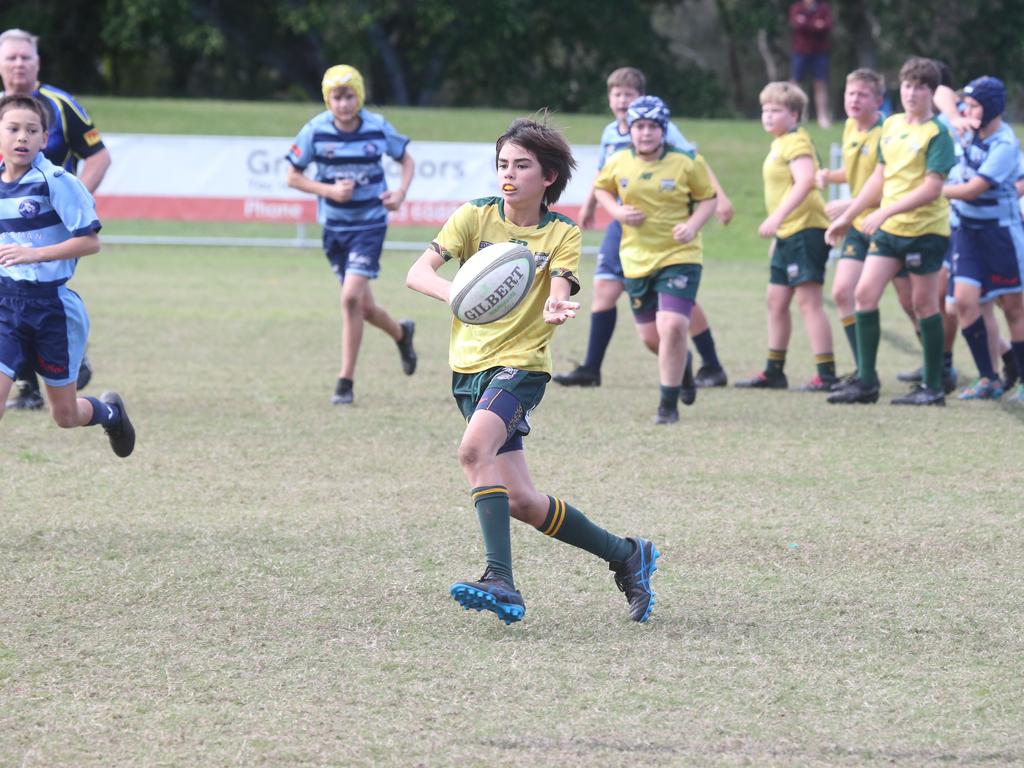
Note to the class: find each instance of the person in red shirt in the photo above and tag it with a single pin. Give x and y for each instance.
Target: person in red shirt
(811, 22)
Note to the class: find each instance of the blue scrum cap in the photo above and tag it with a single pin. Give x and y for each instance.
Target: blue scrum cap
(990, 93)
(648, 108)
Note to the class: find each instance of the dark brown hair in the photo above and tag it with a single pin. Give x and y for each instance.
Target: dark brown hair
(8, 103)
(548, 146)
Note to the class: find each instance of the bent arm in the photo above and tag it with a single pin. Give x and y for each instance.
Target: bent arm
(423, 278)
(93, 169)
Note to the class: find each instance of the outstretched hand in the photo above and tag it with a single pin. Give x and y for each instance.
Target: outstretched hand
(557, 311)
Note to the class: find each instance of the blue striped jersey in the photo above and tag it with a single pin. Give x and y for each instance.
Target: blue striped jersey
(46, 206)
(355, 155)
(996, 159)
(612, 141)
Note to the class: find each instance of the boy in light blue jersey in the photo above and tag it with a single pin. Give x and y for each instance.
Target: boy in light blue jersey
(624, 86)
(47, 222)
(988, 252)
(348, 143)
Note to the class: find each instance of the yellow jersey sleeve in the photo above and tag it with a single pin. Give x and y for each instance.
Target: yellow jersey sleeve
(778, 181)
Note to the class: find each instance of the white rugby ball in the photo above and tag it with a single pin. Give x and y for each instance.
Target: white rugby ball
(491, 283)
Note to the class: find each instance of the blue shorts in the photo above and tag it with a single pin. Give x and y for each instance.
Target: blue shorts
(609, 267)
(803, 63)
(989, 258)
(45, 324)
(356, 253)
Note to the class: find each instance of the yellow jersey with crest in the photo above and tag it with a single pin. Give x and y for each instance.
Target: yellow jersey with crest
(778, 180)
(860, 156)
(521, 338)
(666, 190)
(910, 151)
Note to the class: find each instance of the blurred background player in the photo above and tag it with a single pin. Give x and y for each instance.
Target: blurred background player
(910, 228)
(625, 85)
(347, 143)
(811, 24)
(72, 138)
(662, 196)
(989, 242)
(47, 222)
(796, 223)
(500, 370)
(862, 100)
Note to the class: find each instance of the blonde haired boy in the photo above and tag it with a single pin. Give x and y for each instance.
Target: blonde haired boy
(797, 221)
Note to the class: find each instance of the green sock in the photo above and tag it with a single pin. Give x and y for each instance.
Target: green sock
(932, 339)
(850, 329)
(495, 522)
(776, 362)
(869, 333)
(568, 524)
(826, 365)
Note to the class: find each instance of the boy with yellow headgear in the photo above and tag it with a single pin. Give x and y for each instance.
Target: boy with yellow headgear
(347, 144)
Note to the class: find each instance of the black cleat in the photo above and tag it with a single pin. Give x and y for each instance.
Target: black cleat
(855, 392)
(633, 576)
(666, 415)
(921, 395)
(27, 397)
(1010, 373)
(949, 377)
(121, 436)
(844, 381)
(405, 349)
(580, 377)
(708, 377)
(688, 389)
(343, 393)
(490, 593)
(764, 381)
(911, 377)
(84, 374)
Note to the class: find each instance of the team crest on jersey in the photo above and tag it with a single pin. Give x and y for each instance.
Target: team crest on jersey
(58, 173)
(484, 244)
(92, 138)
(667, 185)
(540, 260)
(645, 176)
(623, 182)
(28, 208)
(295, 151)
(370, 149)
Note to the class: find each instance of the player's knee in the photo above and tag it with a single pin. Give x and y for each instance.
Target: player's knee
(472, 456)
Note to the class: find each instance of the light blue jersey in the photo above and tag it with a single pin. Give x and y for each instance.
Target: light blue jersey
(996, 159)
(44, 207)
(352, 155)
(612, 141)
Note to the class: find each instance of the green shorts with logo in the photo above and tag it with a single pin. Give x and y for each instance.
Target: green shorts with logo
(527, 386)
(921, 255)
(799, 258)
(856, 245)
(680, 280)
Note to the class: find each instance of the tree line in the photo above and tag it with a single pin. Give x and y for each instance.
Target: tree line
(706, 57)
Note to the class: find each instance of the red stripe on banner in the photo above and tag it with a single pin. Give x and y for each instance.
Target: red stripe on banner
(113, 207)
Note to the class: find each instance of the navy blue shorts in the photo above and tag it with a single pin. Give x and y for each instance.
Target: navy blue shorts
(355, 253)
(45, 324)
(609, 267)
(989, 258)
(803, 63)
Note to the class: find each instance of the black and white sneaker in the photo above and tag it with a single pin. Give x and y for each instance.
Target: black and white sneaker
(27, 397)
(122, 434)
(343, 393)
(921, 395)
(633, 577)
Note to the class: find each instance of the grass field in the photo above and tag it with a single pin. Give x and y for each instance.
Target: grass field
(264, 582)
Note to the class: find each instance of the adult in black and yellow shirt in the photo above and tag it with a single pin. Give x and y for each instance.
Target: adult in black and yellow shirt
(500, 370)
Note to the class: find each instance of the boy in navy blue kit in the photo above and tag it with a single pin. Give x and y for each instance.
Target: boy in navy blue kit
(47, 222)
(347, 143)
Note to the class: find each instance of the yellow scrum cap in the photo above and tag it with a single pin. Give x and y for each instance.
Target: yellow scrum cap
(343, 76)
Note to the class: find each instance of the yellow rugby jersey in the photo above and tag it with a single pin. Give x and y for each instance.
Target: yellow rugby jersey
(909, 152)
(778, 180)
(860, 156)
(520, 339)
(666, 190)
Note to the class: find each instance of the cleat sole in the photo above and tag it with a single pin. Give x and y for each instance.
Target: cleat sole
(470, 597)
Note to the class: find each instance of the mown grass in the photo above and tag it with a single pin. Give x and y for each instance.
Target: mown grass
(265, 581)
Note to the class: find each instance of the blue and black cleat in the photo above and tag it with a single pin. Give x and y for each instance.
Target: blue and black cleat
(490, 593)
(633, 577)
